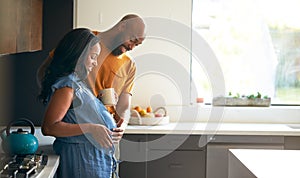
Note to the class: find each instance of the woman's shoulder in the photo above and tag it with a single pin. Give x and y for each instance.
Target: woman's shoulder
(70, 81)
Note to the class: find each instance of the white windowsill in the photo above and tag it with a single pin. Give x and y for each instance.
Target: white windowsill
(271, 115)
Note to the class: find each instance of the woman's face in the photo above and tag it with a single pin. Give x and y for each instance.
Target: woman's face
(91, 61)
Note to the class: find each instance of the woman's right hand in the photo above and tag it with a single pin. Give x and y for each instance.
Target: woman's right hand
(102, 135)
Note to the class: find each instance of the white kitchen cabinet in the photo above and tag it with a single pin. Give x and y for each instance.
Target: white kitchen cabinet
(218, 150)
(163, 60)
(173, 156)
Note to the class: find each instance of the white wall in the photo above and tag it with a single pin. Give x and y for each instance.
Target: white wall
(163, 60)
(103, 14)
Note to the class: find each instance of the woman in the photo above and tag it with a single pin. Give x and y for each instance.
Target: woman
(84, 129)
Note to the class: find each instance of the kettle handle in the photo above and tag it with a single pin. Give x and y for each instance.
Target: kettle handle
(20, 121)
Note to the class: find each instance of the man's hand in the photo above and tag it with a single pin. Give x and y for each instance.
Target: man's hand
(119, 120)
(117, 134)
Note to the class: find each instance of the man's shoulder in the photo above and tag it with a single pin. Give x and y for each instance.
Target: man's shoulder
(128, 59)
(127, 56)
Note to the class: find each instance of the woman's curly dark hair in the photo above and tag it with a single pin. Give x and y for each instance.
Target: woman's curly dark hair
(66, 56)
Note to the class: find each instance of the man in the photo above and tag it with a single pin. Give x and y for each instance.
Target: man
(115, 68)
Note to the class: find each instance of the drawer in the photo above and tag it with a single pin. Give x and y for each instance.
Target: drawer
(132, 169)
(172, 142)
(178, 164)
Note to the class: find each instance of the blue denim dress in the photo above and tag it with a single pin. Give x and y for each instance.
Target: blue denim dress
(81, 156)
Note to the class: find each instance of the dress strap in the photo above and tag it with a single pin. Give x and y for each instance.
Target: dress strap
(115, 166)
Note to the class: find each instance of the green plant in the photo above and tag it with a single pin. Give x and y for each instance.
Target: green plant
(251, 96)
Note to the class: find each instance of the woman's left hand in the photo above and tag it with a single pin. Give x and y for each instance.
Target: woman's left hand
(117, 134)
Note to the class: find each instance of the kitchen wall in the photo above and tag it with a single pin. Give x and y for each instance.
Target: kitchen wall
(163, 60)
(18, 88)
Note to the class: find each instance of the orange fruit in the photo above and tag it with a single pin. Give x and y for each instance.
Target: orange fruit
(149, 109)
(138, 108)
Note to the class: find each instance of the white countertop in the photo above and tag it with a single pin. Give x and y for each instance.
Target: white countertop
(52, 164)
(51, 167)
(268, 163)
(217, 129)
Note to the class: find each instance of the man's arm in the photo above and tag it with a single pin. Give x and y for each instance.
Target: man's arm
(124, 102)
(123, 110)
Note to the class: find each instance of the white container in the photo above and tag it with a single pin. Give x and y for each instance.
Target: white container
(139, 120)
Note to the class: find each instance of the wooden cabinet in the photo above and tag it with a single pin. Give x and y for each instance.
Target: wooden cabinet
(21, 25)
(173, 156)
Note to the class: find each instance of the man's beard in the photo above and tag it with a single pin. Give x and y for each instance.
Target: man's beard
(116, 45)
(117, 51)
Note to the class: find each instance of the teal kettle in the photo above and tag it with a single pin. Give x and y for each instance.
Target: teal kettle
(19, 142)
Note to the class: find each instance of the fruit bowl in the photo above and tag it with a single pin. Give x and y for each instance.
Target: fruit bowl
(150, 119)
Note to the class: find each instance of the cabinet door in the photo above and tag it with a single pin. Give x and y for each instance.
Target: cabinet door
(132, 170)
(178, 164)
(133, 156)
(161, 160)
(292, 143)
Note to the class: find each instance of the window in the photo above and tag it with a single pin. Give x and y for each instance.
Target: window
(257, 44)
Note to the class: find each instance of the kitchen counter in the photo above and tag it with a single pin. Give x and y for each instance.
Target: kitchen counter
(250, 163)
(186, 128)
(52, 164)
(217, 129)
(45, 146)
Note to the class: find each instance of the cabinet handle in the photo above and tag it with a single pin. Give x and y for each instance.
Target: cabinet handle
(175, 166)
(212, 138)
